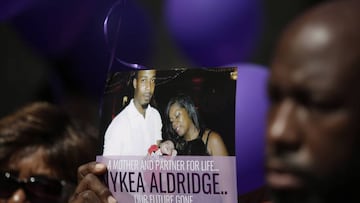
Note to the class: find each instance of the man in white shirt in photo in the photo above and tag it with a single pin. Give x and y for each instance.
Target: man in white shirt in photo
(138, 125)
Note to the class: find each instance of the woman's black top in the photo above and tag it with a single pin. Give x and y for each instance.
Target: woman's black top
(195, 147)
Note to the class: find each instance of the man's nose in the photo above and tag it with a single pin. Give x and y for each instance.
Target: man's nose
(284, 125)
(148, 85)
(19, 196)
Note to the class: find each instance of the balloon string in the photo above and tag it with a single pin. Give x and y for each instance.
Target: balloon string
(113, 48)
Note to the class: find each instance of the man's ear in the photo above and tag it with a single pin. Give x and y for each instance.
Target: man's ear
(134, 83)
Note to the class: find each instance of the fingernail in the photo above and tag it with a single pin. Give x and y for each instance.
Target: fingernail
(111, 199)
(100, 167)
(16, 198)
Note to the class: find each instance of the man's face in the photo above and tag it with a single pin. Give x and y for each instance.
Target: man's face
(312, 123)
(144, 86)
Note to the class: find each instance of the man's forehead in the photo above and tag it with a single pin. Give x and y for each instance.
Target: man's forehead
(146, 73)
(316, 81)
(318, 64)
(321, 68)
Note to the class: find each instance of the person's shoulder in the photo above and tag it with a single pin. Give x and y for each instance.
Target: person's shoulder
(216, 145)
(213, 136)
(121, 116)
(154, 110)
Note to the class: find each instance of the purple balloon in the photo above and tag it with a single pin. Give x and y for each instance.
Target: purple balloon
(251, 110)
(212, 33)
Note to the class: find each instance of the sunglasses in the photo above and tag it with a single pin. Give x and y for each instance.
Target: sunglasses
(39, 189)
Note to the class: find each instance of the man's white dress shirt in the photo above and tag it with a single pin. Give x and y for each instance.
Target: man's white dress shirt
(130, 133)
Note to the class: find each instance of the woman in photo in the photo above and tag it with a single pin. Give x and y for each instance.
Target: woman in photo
(183, 125)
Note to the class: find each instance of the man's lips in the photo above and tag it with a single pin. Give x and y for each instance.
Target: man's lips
(147, 96)
(282, 177)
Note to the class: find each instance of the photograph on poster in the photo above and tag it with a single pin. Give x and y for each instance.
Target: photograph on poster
(203, 98)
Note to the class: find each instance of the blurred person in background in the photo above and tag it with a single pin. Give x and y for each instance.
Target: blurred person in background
(41, 147)
(313, 142)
